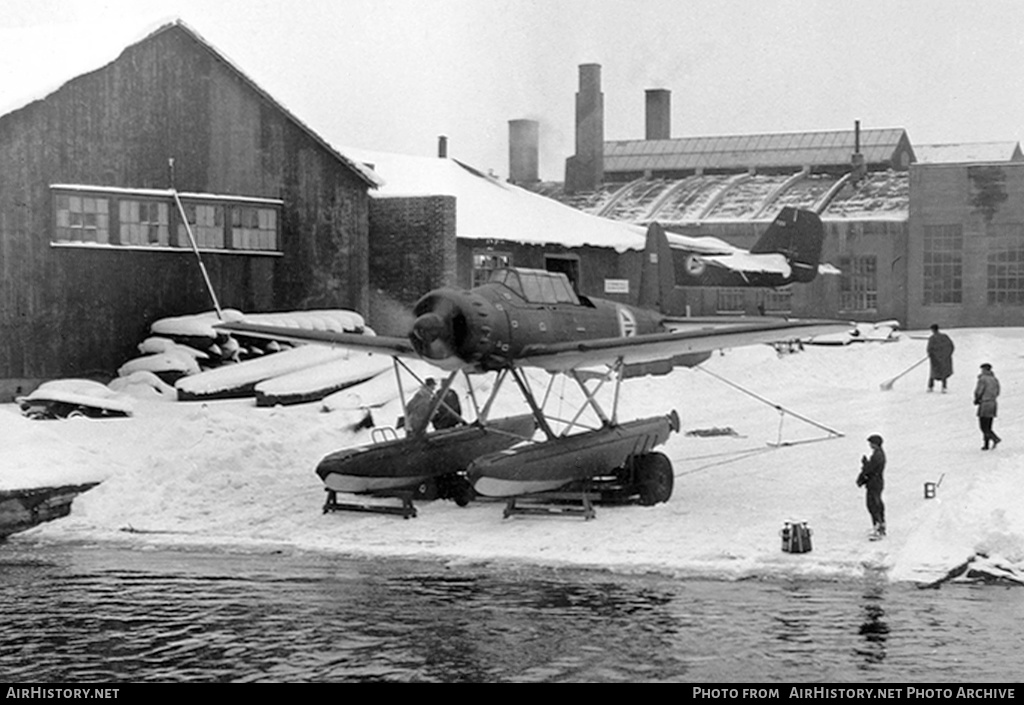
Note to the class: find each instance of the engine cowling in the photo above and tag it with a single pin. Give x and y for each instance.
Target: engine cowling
(459, 329)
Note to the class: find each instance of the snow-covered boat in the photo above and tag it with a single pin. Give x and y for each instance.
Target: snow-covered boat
(315, 383)
(70, 398)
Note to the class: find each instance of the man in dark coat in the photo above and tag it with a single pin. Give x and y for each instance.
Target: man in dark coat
(449, 413)
(418, 408)
(872, 478)
(940, 355)
(985, 394)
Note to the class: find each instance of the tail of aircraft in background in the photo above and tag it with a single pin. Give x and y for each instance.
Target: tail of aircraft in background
(788, 251)
(798, 235)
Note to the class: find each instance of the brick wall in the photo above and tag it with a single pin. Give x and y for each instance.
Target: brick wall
(412, 250)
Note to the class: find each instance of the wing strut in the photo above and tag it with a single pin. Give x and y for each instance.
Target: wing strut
(538, 413)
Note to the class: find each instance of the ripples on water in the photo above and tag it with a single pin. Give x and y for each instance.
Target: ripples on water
(80, 614)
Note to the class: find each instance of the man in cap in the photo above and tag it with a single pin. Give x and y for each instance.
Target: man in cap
(871, 477)
(985, 394)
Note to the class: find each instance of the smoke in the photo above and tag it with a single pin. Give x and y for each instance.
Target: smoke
(388, 316)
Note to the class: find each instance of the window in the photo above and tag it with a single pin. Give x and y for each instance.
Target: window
(943, 264)
(143, 222)
(253, 228)
(150, 218)
(778, 300)
(1006, 272)
(858, 283)
(731, 300)
(569, 266)
(82, 219)
(207, 223)
(485, 262)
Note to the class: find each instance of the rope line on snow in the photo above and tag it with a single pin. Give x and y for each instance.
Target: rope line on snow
(778, 407)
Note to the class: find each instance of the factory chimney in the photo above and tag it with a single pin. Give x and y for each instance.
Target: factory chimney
(584, 171)
(857, 160)
(523, 151)
(442, 147)
(659, 114)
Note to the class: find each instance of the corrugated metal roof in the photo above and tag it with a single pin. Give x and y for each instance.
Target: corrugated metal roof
(965, 152)
(792, 149)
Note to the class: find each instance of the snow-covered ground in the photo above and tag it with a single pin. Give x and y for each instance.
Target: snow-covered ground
(230, 474)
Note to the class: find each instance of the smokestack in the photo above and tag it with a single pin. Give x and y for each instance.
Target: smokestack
(659, 114)
(523, 151)
(442, 147)
(857, 160)
(584, 171)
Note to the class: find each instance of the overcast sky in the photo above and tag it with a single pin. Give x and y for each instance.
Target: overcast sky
(394, 74)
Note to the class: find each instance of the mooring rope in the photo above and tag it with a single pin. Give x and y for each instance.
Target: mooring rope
(778, 407)
(730, 457)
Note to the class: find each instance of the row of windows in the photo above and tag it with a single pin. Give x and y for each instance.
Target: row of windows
(944, 265)
(148, 222)
(733, 300)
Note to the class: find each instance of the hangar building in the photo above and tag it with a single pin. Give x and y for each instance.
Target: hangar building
(922, 234)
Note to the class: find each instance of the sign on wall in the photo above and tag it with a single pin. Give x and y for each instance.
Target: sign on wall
(616, 286)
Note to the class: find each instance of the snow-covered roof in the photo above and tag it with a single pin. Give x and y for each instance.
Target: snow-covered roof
(37, 61)
(487, 208)
(964, 152)
(773, 150)
(742, 197)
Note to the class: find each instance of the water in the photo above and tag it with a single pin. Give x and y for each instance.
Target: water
(82, 614)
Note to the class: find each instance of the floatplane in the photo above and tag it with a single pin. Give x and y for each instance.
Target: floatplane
(528, 319)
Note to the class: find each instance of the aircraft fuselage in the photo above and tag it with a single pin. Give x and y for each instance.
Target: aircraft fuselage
(488, 327)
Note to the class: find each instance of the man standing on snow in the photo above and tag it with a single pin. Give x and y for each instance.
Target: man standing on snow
(871, 477)
(449, 413)
(940, 355)
(985, 394)
(418, 408)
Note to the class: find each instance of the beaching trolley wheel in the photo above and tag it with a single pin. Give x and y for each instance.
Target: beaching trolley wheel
(654, 478)
(464, 492)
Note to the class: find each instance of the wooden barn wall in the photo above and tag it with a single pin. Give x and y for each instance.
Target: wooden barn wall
(987, 202)
(71, 311)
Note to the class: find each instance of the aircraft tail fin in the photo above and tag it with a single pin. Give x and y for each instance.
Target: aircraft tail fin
(798, 235)
(657, 274)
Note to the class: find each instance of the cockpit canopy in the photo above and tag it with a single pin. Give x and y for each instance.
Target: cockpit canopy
(537, 285)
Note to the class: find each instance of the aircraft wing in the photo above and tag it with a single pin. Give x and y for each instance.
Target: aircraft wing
(702, 245)
(688, 337)
(382, 344)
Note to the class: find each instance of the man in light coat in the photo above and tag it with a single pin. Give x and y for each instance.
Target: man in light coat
(985, 394)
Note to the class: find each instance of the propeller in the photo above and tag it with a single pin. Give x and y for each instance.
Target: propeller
(432, 334)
